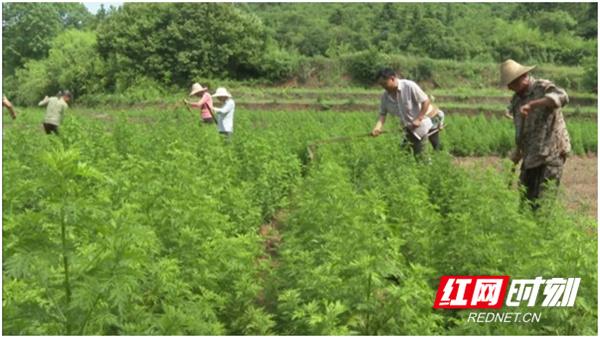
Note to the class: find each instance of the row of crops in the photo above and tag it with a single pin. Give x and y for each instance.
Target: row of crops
(491, 102)
(581, 105)
(148, 223)
(464, 136)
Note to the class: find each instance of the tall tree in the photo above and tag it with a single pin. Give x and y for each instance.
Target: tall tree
(176, 42)
(28, 29)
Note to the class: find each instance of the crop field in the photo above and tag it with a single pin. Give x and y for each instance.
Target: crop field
(579, 179)
(488, 102)
(138, 220)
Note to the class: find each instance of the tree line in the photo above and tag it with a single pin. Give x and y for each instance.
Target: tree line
(51, 46)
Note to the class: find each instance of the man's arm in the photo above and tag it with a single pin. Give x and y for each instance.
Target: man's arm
(381, 120)
(226, 109)
(10, 107)
(424, 109)
(554, 97)
(193, 104)
(419, 95)
(539, 103)
(200, 103)
(44, 101)
(378, 126)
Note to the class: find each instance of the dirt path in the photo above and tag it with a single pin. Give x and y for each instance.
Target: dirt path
(580, 179)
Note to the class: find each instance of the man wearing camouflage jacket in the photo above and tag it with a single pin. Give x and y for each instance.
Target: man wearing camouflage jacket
(541, 136)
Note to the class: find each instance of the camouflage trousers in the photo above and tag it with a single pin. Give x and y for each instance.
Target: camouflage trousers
(535, 179)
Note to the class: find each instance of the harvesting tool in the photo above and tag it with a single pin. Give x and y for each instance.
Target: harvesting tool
(212, 114)
(312, 148)
(176, 107)
(513, 169)
(186, 105)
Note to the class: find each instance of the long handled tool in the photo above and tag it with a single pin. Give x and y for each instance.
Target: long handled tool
(175, 108)
(186, 105)
(312, 148)
(212, 113)
(515, 164)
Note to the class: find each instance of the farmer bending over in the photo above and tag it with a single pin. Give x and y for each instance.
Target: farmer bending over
(205, 104)
(405, 99)
(225, 113)
(55, 111)
(541, 136)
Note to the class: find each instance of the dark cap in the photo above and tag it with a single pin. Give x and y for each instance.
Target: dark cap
(385, 73)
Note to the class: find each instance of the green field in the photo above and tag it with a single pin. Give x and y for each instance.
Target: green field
(138, 219)
(144, 222)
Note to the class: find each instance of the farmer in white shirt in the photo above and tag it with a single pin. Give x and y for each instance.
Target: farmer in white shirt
(405, 99)
(225, 113)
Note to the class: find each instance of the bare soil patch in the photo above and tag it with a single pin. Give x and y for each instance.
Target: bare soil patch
(579, 180)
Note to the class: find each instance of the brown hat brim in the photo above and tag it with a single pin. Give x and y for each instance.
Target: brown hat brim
(518, 74)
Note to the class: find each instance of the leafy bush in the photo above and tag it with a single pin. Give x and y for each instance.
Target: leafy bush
(229, 42)
(31, 83)
(363, 66)
(73, 63)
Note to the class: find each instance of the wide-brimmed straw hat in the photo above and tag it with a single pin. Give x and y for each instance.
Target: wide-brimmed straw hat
(510, 70)
(196, 88)
(221, 92)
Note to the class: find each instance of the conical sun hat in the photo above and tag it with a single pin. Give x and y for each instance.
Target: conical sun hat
(221, 92)
(510, 70)
(196, 88)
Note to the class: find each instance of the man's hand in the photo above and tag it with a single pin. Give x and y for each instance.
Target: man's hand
(526, 109)
(516, 156)
(376, 132)
(416, 123)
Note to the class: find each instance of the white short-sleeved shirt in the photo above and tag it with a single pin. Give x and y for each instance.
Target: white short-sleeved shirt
(407, 102)
(225, 116)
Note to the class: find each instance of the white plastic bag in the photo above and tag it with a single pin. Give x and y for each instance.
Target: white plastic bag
(422, 130)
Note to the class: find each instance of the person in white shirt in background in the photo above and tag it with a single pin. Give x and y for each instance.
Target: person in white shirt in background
(225, 113)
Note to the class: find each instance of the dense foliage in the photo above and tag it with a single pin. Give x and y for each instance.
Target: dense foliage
(147, 223)
(71, 63)
(184, 41)
(28, 29)
(484, 32)
(174, 44)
